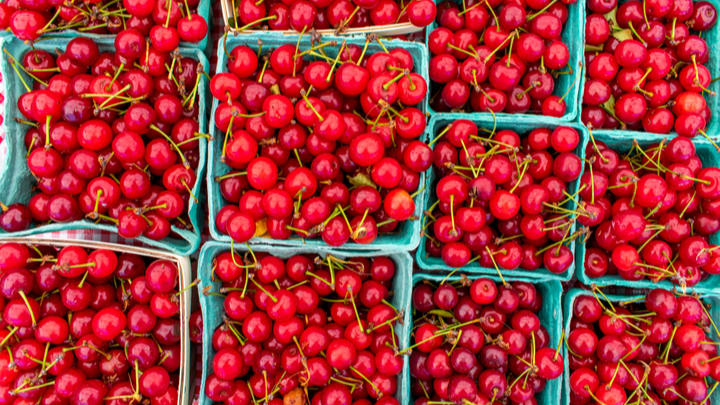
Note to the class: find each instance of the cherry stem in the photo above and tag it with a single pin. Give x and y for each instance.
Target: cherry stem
(228, 133)
(189, 286)
(707, 397)
(379, 41)
(632, 29)
(337, 58)
(347, 221)
(495, 17)
(262, 72)
(82, 281)
(27, 304)
(47, 132)
(304, 94)
(168, 7)
(525, 164)
(35, 387)
(500, 46)
(496, 266)
(197, 136)
(189, 190)
(272, 297)
(489, 97)
(343, 25)
(437, 138)
(362, 54)
(575, 80)
(387, 107)
(387, 84)
(256, 22)
(357, 314)
(14, 62)
(642, 79)
(9, 335)
(709, 139)
(470, 8)
(452, 216)
(191, 97)
(365, 378)
(463, 51)
(115, 76)
(235, 332)
(297, 230)
(175, 146)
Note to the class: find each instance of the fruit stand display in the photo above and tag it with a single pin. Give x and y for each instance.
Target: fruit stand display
(383, 202)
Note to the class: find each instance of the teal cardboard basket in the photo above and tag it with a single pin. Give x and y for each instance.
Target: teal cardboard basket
(213, 312)
(437, 124)
(572, 295)
(710, 158)
(712, 36)
(16, 179)
(406, 237)
(550, 315)
(203, 10)
(574, 37)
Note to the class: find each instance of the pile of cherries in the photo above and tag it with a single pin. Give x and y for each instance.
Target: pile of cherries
(480, 343)
(166, 22)
(650, 212)
(495, 56)
(308, 15)
(660, 350)
(305, 330)
(501, 200)
(319, 145)
(87, 327)
(646, 65)
(113, 136)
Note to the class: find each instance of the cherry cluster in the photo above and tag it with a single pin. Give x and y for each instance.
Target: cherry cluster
(319, 146)
(305, 329)
(113, 136)
(646, 65)
(89, 328)
(480, 343)
(501, 199)
(308, 15)
(166, 22)
(651, 213)
(499, 56)
(652, 352)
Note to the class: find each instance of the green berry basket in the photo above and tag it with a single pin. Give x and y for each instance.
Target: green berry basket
(574, 37)
(437, 124)
(550, 315)
(213, 310)
(17, 181)
(204, 10)
(710, 158)
(633, 296)
(406, 237)
(712, 36)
